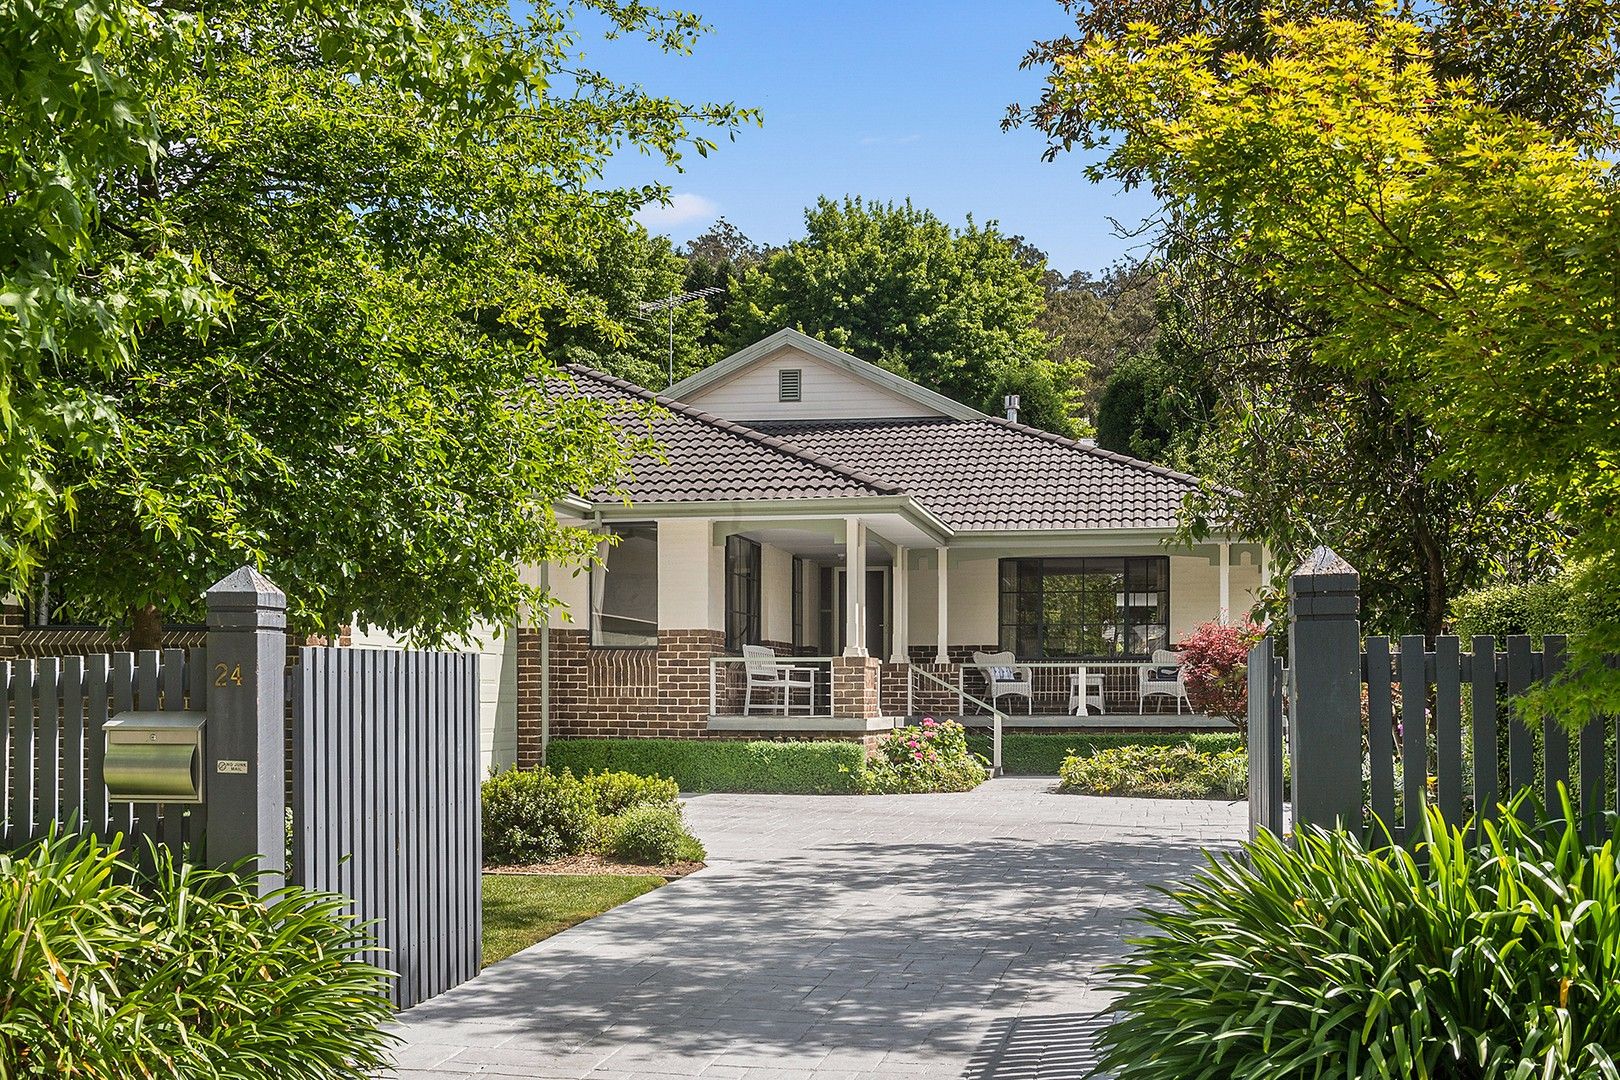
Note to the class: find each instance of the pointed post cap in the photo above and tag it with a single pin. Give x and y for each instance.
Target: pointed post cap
(1325, 574)
(246, 599)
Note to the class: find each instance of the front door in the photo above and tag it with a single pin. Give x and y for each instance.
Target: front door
(878, 611)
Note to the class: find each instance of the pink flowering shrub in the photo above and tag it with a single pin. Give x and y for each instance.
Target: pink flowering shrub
(932, 756)
(1215, 662)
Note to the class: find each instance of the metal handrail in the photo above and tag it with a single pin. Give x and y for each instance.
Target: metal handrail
(996, 715)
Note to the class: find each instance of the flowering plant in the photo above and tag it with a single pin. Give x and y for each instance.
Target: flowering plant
(932, 756)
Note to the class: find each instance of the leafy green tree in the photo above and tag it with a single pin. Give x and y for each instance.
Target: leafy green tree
(1096, 322)
(1459, 255)
(76, 122)
(718, 258)
(629, 268)
(385, 190)
(1360, 450)
(954, 309)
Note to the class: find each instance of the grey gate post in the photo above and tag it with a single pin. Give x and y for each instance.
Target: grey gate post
(1324, 664)
(246, 733)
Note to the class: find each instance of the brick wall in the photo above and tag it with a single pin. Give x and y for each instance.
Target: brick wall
(855, 681)
(661, 692)
(11, 619)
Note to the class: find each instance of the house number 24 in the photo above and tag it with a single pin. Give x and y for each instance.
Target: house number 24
(224, 675)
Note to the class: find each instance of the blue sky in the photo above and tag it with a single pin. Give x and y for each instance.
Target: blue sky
(880, 98)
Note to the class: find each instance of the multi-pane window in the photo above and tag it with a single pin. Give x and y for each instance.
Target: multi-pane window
(1085, 608)
(742, 593)
(624, 590)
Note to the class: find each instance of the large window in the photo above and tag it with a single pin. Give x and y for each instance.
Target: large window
(742, 593)
(624, 590)
(1092, 608)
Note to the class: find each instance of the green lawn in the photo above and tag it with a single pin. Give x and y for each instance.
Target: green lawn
(520, 910)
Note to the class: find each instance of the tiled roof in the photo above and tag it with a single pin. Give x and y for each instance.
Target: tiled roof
(707, 458)
(992, 474)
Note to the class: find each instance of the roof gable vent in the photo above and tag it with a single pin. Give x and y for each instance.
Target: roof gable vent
(790, 384)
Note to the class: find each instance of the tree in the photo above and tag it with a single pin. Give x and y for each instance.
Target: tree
(1359, 450)
(384, 189)
(74, 121)
(628, 268)
(954, 309)
(718, 259)
(1096, 322)
(1459, 255)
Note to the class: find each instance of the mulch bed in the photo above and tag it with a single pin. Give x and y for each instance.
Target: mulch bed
(595, 864)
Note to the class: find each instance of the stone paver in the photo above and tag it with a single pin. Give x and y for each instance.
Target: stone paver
(924, 936)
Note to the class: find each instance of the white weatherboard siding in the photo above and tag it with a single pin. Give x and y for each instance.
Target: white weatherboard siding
(497, 688)
(828, 393)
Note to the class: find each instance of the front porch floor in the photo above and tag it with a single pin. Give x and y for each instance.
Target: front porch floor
(857, 725)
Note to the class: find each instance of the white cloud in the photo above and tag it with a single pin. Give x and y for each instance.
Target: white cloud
(683, 207)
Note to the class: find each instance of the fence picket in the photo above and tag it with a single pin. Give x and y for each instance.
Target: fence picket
(73, 741)
(1554, 736)
(1414, 736)
(1448, 726)
(1483, 688)
(1521, 744)
(47, 744)
(21, 758)
(1381, 742)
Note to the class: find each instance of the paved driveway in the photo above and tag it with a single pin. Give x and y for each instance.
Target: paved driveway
(832, 937)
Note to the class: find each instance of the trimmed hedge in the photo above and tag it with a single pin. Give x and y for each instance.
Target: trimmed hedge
(786, 768)
(1537, 608)
(1040, 754)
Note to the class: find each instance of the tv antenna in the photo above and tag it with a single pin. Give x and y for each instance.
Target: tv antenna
(648, 308)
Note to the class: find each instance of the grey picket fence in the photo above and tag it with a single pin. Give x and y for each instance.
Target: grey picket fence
(1485, 751)
(51, 745)
(386, 804)
(1444, 730)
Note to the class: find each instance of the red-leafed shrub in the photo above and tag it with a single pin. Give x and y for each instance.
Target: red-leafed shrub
(1215, 662)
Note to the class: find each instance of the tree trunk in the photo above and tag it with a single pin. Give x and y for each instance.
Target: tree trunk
(145, 628)
(1434, 584)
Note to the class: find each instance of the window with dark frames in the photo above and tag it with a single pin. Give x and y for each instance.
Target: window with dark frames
(624, 590)
(1085, 608)
(742, 593)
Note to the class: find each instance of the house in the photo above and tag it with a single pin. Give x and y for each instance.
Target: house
(875, 535)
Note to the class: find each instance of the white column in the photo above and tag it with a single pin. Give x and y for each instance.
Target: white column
(901, 590)
(1226, 582)
(854, 587)
(940, 654)
(1265, 565)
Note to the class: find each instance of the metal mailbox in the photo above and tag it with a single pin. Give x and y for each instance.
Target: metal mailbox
(154, 757)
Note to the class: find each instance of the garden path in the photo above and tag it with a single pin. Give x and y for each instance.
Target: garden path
(833, 937)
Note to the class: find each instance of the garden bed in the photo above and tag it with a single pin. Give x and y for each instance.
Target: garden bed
(591, 863)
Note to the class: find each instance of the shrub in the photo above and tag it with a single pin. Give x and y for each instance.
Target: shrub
(536, 815)
(929, 757)
(1215, 664)
(804, 768)
(648, 834)
(186, 973)
(1040, 754)
(1535, 608)
(1158, 772)
(1321, 958)
(616, 792)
